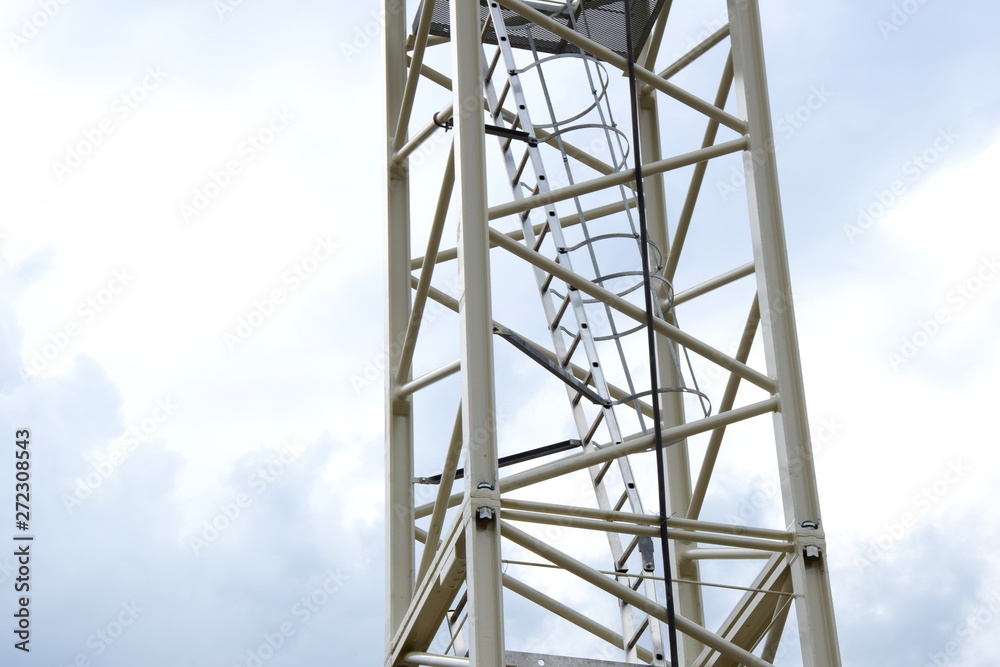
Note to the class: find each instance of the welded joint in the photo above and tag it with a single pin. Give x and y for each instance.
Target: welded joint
(484, 502)
(646, 94)
(398, 169)
(402, 406)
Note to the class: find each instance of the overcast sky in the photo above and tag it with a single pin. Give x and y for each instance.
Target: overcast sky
(191, 250)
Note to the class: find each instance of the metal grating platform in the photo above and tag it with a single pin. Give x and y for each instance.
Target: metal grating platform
(601, 20)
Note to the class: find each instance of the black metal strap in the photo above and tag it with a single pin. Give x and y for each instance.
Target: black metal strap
(521, 457)
(546, 363)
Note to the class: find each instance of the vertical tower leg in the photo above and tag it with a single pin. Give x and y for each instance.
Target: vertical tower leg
(814, 609)
(482, 509)
(399, 554)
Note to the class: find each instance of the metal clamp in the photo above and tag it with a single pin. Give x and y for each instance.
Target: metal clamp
(484, 502)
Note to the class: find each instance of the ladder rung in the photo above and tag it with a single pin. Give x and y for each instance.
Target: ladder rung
(520, 167)
(503, 96)
(495, 111)
(602, 472)
(569, 355)
(593, 427)
(494, 61)
(579, 395)
(628, 551)
(621, 501)
(634, 639)
(541, 236)
(559, 313)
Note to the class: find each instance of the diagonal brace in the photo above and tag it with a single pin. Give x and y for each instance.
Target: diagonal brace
(539, 358)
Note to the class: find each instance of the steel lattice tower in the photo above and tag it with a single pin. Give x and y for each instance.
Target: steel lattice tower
(516, 547)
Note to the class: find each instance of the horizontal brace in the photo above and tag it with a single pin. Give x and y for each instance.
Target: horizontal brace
(432, 40)
(429, 379)
(617, 178)
(696, 52)
(518, 234)
(633, 445)
(575, 522)
(712, 284)
(434, 660)
(421, 136)
(648, 531)
(647, 519)
(724, 554)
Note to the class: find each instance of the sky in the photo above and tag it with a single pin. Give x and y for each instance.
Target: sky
(192, 281)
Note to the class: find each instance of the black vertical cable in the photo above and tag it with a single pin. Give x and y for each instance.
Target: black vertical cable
(651, 338)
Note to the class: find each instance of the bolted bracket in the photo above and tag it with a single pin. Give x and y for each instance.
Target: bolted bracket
(484, 502)
(811, 540)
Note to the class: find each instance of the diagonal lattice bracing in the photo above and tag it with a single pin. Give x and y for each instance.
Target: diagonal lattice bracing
(519, 527)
